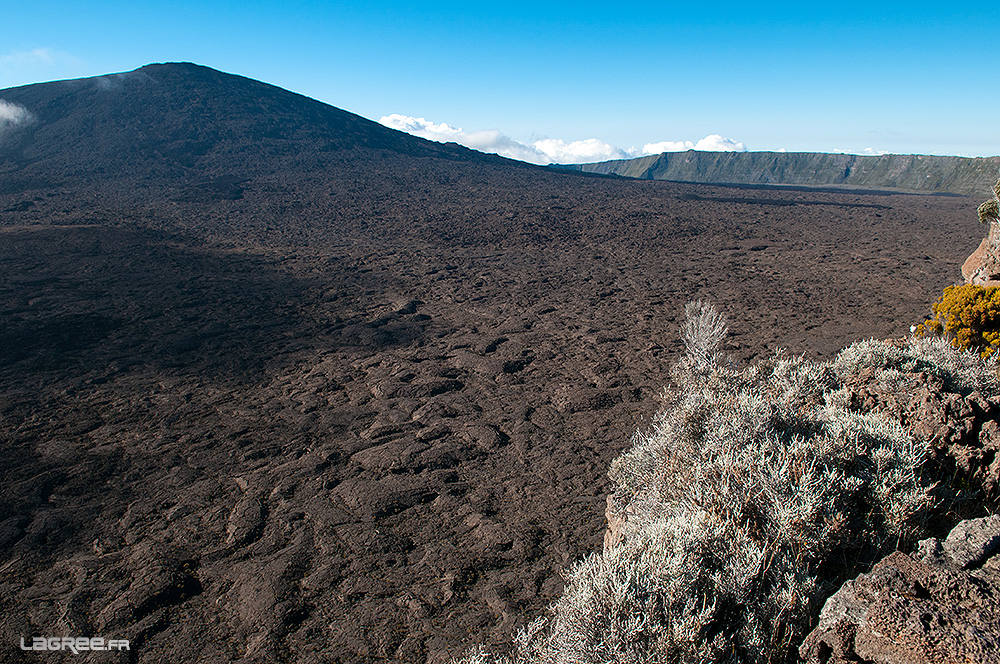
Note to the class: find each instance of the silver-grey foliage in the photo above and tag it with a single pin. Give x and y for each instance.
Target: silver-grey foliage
(748, 487)
(703, 331)
(962, 372)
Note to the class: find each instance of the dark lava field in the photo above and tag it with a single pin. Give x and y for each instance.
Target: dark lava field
(278, 384)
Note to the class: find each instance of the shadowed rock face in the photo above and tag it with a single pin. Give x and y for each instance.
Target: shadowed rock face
(937, 606)
(280, 384)
(982, 267)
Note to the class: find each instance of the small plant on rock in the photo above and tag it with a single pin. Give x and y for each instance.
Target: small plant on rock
(990, 210)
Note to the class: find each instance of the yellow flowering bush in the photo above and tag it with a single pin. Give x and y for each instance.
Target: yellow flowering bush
(969, 316)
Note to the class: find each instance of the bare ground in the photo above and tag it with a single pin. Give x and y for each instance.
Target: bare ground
(329, 420)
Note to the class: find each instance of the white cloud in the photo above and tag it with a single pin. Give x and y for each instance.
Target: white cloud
(546, 150)
(711, 143)
(667, 146)
(493, 141)
(867, 152)
(485, 141)
(716, 143)
(579, 152)
(13, 115)
(419, 126)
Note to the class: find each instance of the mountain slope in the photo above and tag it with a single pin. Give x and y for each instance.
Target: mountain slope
(171, 145)
(957, 175)
(185, 119)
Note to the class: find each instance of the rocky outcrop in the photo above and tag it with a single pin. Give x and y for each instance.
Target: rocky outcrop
(620, 509)
(960, 430)
(982, 268)
(939, 605)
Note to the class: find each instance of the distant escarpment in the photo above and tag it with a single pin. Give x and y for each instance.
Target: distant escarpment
(910, 172)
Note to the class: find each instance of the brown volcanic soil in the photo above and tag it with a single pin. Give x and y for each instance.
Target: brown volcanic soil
(358, 404)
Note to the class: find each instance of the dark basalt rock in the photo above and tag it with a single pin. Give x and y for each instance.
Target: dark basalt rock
(960, 429)
(938, 606)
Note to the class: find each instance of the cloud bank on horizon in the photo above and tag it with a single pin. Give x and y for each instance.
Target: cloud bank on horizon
(549, 150)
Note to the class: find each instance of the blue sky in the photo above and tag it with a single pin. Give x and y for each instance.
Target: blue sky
(851, 76)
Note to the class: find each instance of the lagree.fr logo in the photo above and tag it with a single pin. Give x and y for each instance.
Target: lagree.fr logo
(75, 645)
